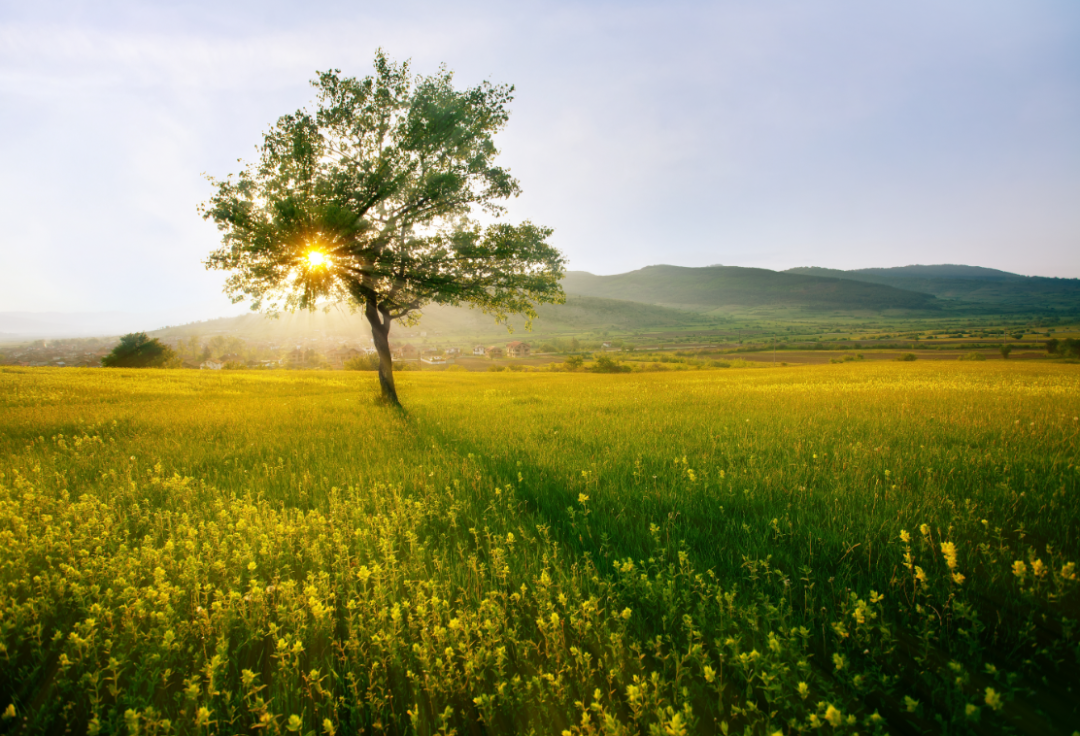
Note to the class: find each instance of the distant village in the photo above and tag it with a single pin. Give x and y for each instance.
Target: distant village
(320, 352)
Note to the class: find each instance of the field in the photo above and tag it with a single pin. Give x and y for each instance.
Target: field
(871, 547)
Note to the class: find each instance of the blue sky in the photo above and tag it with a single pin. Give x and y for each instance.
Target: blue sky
(775, 134)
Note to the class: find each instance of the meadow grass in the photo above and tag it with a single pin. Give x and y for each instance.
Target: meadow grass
(871, 548)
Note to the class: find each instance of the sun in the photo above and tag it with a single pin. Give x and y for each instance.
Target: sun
(316, 259)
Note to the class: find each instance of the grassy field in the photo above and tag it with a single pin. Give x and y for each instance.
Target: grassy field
(872, 547)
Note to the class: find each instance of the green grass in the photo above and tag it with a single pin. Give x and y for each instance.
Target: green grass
(700, 552)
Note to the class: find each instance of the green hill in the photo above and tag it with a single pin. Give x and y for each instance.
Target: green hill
(944, 271)
(969, 287)
(719, 287)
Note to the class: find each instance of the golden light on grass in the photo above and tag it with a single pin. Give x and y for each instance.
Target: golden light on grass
(270, 539)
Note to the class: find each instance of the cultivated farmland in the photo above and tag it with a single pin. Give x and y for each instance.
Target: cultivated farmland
(864, 547)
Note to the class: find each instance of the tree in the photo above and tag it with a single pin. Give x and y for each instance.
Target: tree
(604, 364)
(137, 350)
(367, 201)
(1005, 350)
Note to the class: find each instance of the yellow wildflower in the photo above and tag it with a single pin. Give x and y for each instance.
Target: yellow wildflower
(202, 717)
(948, 549)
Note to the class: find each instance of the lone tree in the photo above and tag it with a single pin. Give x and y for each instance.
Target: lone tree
(367, 201)
(137, 350)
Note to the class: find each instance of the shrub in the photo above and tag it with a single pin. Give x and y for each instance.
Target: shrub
(972, 356)
(574, 362)
(1069, 347)
(366, 362)
(907, 357)
(604, 364)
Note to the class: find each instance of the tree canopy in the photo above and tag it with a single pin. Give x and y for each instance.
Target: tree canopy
(369, 200)
(137, 350)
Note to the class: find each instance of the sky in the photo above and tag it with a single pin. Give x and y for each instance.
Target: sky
(842, 134)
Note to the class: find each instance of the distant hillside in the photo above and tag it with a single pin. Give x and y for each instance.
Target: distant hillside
(578, 314)
(985, 289)
(717, 287)
(944, 271)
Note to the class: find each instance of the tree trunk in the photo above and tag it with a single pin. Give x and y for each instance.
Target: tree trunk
(380, 332)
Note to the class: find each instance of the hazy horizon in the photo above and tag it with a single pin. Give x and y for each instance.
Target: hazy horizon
(20, 324)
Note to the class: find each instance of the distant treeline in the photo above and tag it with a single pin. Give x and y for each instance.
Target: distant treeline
(910, 345)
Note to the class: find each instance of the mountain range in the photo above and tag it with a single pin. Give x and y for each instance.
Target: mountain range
(727, 288)
(969, 287)
(670, 297)
(924, 289)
